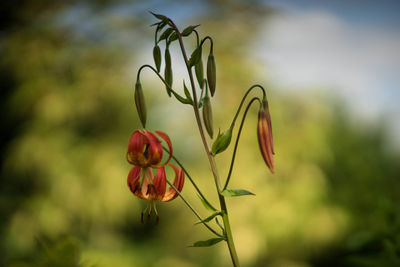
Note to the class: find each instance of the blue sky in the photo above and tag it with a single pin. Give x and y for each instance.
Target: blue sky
(348, 48)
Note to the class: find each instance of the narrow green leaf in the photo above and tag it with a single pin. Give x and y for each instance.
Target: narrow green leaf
(209, 218)
(195, 57)
(165, 34)
(207, 205)
(186, 91)
(161, 17)
(207, 243)
(236, 192)
(188, 30)
(182, 99)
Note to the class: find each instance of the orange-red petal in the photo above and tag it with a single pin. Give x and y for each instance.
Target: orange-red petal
(136, 146)
(134, 181)
(264, 132)
(178, 184)
(165, 137)
(160, 184)
(155, 149)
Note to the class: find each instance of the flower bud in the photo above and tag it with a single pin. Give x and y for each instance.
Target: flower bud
(198, 68)
(222, 142)
(157, 57)
(264, 133)
(211, 73)
(207, 116)
(168, 71)
(140, 103)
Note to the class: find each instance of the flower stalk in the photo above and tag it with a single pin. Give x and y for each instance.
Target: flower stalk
(147, 179)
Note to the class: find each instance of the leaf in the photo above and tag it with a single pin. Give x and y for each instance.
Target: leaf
(165, 34)
(207, 205)
(222, 142)
(188, 30)
(207, 243)
(182, 99)
(236, 192)
(209, 218)
(195, 57)
(161, 17)
(186, 91)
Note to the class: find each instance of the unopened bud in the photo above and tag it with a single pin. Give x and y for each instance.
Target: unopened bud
(140, 103)
(168, 70)
(157, 57)
(264, 134)
(198, 68)
(211, 73)
(222, 142)
(207, 116)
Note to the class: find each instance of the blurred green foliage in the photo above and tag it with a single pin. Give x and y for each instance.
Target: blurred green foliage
(67, 113)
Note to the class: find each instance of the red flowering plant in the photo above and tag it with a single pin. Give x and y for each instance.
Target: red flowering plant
(147, 178)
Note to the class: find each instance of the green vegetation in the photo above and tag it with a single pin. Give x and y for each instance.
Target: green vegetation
(67, 109)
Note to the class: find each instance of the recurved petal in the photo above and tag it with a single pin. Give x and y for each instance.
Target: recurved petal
(136, 145)
(165, 137)
(134, 181)
(178, 184)
(160, 184)
(264, 134)
(155, 149)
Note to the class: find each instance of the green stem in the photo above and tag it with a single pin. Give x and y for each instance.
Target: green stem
(162, 79)
(244, 98)
(237, 140)
(230, 242)
(193, 210)
(211, 42)
(189, 177)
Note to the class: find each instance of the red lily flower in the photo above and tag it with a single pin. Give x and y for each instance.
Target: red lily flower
(265, 139)
(145, 152)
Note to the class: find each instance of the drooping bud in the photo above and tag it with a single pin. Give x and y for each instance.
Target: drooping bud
(168, 71)
(222, 142)
(207, 116)
(195, 57)
(198, 68)
(264, 133)
(188, 30)
(140, 103)
(211, 73)
(157, 57)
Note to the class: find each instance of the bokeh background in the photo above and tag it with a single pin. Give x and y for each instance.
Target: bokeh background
(332, 71)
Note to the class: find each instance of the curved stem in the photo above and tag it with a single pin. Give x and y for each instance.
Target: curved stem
(189, 177)
(237, 139)
(193, 210)
(211, 42)
(159, 76)
(197, 38)
(244, 98)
